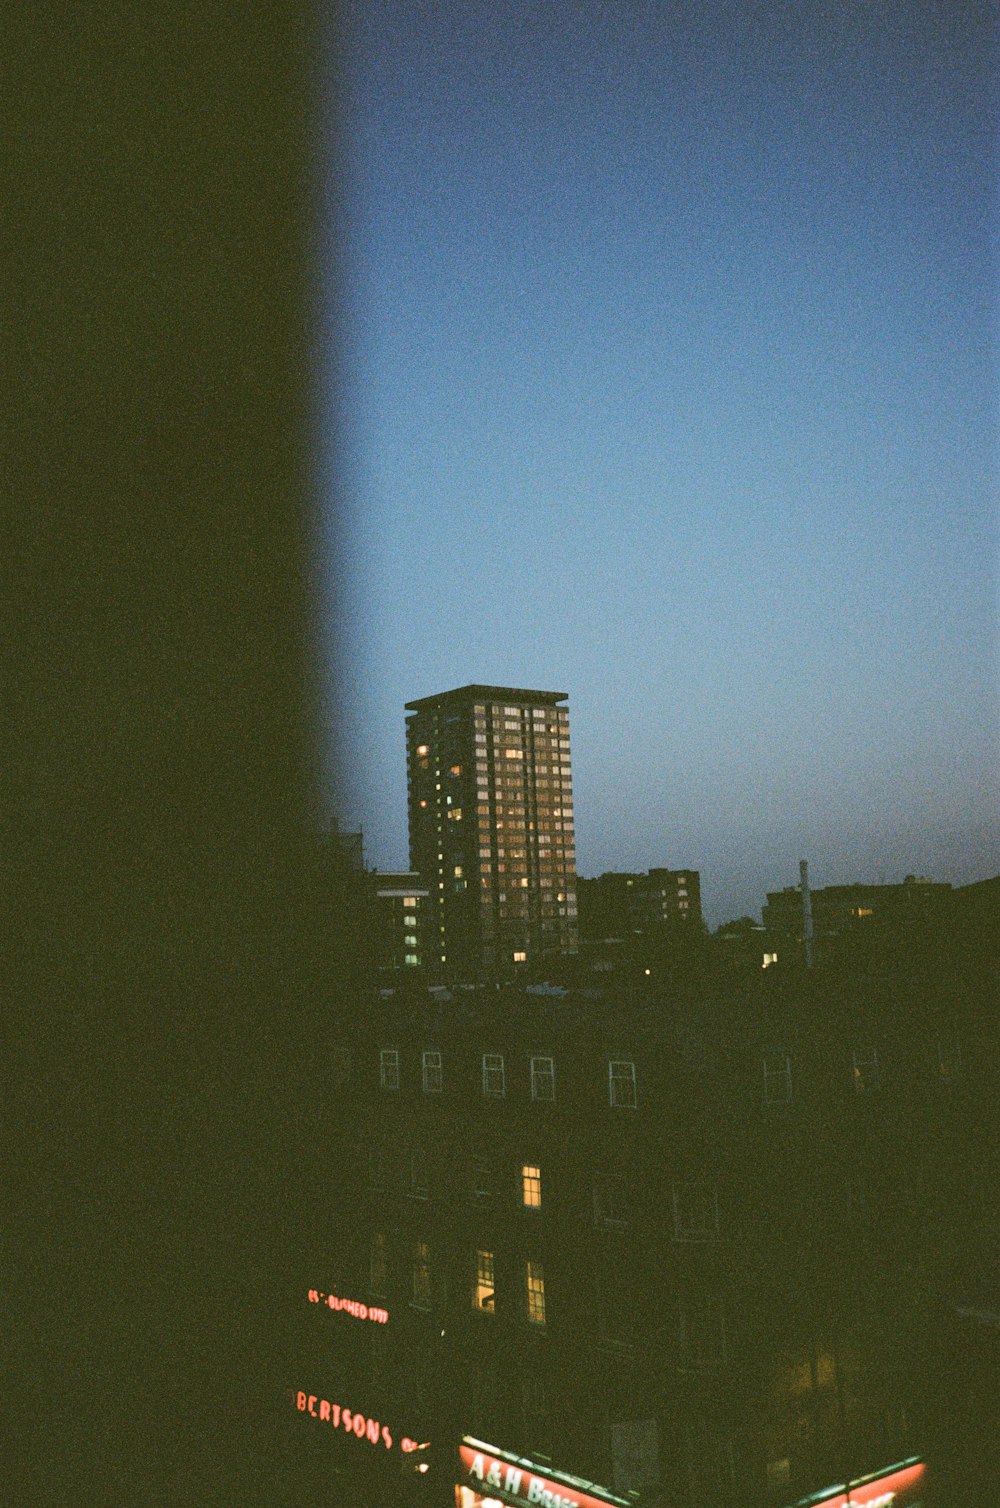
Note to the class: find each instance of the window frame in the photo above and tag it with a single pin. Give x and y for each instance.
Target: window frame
(493, 1063)
(540, 1076)
(427, 1068)
(388, 1066)
(615, 1080)
(534, 1278)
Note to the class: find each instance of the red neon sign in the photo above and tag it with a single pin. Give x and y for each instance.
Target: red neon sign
(349, 1306)
(895, 1489)
(519, 1484)
(339, 1417)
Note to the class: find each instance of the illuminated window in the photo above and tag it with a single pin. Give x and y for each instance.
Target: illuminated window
(458, 871)
(378, 1266)
(520, 956)
(864, 1070)
(421, 1276)
(696, 1212)
(455, 815)
(621, 1084)
(531, 1187)
(423, 749)
(768, 960)
(410, 959)
(484, 1288)
(456, 769)
(777, 1079)
(493, 1075)
(610, 1201)
(388, 1068)
(543, 1079)
(536, 1294)
(432, 1074)
(409, 902)
(702, 1333)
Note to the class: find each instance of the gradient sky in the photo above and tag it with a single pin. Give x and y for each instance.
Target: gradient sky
(671, 383)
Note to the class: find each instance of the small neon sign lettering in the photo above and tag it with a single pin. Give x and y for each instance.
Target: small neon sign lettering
(349, 1306)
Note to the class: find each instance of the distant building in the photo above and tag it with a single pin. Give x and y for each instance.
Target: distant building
(840, 911)
(491, 826)
(621, 905)
(402, 906)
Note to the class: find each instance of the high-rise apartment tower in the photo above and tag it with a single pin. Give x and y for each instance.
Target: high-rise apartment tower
(491, 826)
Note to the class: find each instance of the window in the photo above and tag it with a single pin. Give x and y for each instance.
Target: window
(610, 1201)
(621, 1084)
(421, 1276)
(864, 1068)
(409, 901)
(432, 1074)
(493, 1075)
(482, 1177)
(484, 1288)
(537, 1422)
(777, 1079)
(696, 1212)
(378, 1266)
(418, 1174)
(520, 956)
(702, 1333)
(536, 1294)
(531, 1187)
(543, 1079)
(388, 1069)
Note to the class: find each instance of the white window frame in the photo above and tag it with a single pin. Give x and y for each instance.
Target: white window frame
(531, 1182)
(540, 1076)
(493, 1065)
(480, 1280)
(388, 1069)
(777, 1077)
(431, 1065)
(617, 1079)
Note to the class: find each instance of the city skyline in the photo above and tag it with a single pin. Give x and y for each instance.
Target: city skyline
(671, 382)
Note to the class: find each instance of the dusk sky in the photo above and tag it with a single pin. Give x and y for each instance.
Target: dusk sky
(671, 383)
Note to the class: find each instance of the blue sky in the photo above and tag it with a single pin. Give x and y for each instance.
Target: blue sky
(670, 382)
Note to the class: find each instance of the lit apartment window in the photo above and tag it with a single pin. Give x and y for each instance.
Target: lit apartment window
(493, 1075)
(423, 749)
(777, 1079)
(432, 1075)
(388, 1068)
(531, 1187)
(484, 1290)
(864, 1070)
(409, 901)
(421, 1276)
(519, 955)
(696, 1212)
(621, 1084)
(702, 1333)
(536, 1294)
(543, 1079)
(378, 1266)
